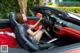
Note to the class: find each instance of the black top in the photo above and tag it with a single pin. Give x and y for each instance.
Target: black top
(26, 26)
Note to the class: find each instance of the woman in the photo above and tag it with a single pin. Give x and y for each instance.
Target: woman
(21, 18)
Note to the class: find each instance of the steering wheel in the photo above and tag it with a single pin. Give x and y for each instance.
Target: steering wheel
(23, 38)
(48, 23)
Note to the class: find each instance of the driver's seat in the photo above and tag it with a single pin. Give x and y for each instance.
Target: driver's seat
(22, 37)
(21, 34)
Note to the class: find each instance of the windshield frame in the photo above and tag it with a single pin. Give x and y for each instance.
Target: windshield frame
(74, 16)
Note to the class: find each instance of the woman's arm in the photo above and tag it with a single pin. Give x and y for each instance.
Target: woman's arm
(33, 26)
(33, 33)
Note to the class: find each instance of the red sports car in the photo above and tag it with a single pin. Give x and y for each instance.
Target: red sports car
(63, 28)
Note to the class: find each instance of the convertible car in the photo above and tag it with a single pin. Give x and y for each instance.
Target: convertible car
(62, 32)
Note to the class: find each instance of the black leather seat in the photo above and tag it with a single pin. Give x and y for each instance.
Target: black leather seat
(21, 34)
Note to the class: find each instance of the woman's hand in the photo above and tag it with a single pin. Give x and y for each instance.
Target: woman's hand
(31, 26)
(40, 27)
(38, 22)
(40, 19)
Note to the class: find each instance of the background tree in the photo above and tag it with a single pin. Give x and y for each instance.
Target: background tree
(33, 3)
(7, 6)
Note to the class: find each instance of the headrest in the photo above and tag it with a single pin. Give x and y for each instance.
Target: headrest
(12, 19)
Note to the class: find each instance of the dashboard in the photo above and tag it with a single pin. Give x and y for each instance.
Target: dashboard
(65, 23)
